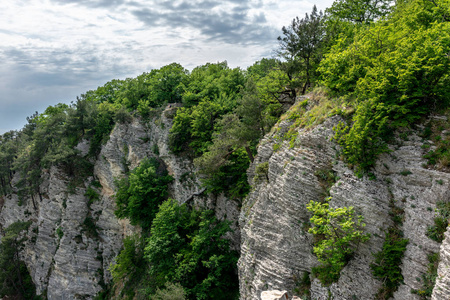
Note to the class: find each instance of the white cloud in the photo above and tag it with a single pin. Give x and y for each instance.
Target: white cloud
(52, 50)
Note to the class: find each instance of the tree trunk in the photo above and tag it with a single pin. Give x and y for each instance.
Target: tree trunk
(249, 153)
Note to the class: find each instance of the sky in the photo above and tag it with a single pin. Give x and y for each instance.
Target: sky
(52, 51)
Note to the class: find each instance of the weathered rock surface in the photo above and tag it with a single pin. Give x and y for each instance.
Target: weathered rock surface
(276, 249)
(442, 287)
(66, 257)
(274, 295)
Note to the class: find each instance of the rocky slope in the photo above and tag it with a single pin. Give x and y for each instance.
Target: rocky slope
(72, 241)
(276, 249)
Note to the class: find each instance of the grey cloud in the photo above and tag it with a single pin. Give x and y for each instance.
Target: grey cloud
(232, 26)
(26, 86)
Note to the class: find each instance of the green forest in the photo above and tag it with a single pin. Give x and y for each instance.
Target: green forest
(382, 65)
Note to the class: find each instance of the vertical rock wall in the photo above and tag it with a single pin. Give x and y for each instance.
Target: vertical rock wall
(276, 249)
(67, 258)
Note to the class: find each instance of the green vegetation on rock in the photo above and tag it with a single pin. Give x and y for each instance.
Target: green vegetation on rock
(337, 233)
(139, 195)
(15, 280)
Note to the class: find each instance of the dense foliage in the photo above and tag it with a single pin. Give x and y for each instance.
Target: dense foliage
(15, 280)
(139, 195)
(397, 69)
(185, 255)
(188, 247)
(338, 232)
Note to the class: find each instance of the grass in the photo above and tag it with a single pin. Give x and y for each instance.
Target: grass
(436, 232)
(429, 278)
(312, 112)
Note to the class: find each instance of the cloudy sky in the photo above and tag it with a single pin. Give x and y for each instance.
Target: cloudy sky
(53, 50)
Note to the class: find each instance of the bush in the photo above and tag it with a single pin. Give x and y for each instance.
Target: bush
(262, 171)
(337, 232)
(436, 232)
(139, 195)
(429, 278)
(387, 263)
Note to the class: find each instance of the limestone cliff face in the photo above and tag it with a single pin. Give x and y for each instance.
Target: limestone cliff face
(276, 249)
(68, 258)
(71, 241)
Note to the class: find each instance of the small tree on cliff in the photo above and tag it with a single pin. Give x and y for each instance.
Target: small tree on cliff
(300, 46)
(337, 233)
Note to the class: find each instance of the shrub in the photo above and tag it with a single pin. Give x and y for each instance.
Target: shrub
(92, 195)
(387, 263)
(59, 232)
(436, 231)
(262, 171)
(337, 232)
(139, 195)
(429, 278)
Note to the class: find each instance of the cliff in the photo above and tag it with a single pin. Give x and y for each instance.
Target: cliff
(276, 249)
(73, 240)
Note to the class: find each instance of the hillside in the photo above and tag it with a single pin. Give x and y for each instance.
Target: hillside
(324, 173)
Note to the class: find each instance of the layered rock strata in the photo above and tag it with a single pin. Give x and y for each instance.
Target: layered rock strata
(276, 249)
(72, 240)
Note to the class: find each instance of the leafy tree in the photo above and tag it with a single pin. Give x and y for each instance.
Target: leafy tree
(130, 267)
(212, 92)
(240, 129)
(189, 247)
(359, 11)
(139, 195)
(338, 232)
(398, 69)
(261, 68)
(167, 84)
(224, 163)
(387, 262)
(300, 46)
(15, 281)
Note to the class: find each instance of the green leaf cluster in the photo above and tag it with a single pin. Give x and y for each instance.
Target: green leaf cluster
(398, 69)
(138, 196)
(337, 232)
(189, 247)
(387, 263)
(15, 280)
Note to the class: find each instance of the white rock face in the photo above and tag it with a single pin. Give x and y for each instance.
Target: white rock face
(275, 247)
(64, 259)
(442, 287)
(67, 262)
(274, 295)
